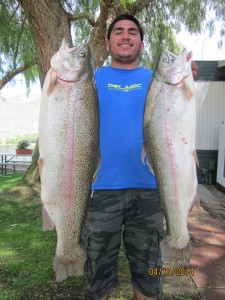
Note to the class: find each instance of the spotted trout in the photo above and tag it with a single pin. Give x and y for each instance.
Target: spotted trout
(68, 146)
(169, 143)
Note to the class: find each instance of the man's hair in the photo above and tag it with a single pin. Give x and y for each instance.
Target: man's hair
(125, 17)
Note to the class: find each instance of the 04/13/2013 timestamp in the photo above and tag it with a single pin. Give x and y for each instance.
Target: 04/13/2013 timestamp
(171, 271)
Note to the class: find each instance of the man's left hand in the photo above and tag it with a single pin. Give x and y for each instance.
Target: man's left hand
(194, 69)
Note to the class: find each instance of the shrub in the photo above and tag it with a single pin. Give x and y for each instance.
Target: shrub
(23, 144)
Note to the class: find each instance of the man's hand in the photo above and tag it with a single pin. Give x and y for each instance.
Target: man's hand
(194, 66)
(194, 69)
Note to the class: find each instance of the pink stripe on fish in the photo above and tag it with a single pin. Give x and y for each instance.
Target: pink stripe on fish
(69, 154)
(170, 150)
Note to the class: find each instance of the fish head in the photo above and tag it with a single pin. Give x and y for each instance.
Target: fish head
(173, 68)
(72, 64)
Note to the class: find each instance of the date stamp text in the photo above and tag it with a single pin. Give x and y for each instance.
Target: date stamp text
(171, 271)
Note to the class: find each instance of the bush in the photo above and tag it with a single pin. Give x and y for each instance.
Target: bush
(24, 144)
(31, 137)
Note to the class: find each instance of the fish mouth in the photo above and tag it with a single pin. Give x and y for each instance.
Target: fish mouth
(74, 49)
(77, 48)
(180, 56)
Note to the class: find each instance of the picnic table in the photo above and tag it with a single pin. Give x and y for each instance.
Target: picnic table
(13, 160)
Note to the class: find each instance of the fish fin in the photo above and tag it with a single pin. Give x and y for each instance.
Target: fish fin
(194, 200)
(175, 257)
(66, 269)
(147, 158)
(143, 154)
(40, 165)
(52, 81)
(97, 167)
(188, 90)
(47, 222)
(95, 175)
(196, 158)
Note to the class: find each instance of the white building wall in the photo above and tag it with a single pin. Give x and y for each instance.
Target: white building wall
(221, 156)
(210, 101)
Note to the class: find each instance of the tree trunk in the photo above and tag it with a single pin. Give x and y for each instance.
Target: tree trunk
(49, 25)
(97, 40)
(32, 174)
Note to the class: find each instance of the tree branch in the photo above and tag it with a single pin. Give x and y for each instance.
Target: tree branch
(13, 14)
(15, 72)
(75, 17)
(18, 41)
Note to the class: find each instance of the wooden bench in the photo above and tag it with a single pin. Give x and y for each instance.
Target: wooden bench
(13, 160)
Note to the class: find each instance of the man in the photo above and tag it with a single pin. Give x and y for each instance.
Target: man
(124, 197)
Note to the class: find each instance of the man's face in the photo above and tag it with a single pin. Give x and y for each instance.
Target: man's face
(125, 42)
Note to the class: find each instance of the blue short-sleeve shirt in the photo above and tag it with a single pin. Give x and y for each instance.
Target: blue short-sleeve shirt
(122, 96)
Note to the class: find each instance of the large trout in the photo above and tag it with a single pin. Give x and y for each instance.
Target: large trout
(68, 145)
(169, 142)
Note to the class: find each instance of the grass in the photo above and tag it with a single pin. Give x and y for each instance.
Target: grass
(26, 252)
(8, 180)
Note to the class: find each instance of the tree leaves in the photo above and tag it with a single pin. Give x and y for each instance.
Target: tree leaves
(159, 19)
(16, 47)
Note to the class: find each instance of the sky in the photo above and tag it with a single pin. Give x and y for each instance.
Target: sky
(202, 46)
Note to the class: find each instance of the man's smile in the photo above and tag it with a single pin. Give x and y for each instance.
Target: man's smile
(125, 44)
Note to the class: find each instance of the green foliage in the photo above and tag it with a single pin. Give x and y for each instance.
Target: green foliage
(125, 3)
(8, 181)
(81, 29)
(158, 35)
(26, 252)
(17, 46)
(159, 20)
(24, 144)
(31, 137)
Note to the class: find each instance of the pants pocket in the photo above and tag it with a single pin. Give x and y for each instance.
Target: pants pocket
(154, 245)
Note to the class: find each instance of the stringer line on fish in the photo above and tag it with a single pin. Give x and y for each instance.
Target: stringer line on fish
(53, 74)
(159, 78)
(184, 82)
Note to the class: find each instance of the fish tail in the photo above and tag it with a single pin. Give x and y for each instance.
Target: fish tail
(63, 269)
(175, 257)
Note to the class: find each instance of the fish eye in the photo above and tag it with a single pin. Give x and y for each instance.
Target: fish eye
(165, 59)
(82, 54)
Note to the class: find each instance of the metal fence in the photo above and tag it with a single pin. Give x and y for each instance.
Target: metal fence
(11, 149)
